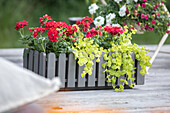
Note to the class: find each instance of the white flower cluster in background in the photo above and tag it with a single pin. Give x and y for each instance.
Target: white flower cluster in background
(92, 8)
(117, 1)
(116, 25)
(109, 18)
(136, 0)
(99, 21)
(127, 1)
(122, 11)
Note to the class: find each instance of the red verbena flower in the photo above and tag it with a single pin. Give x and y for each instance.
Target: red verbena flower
(37, 30)
(113, 30)
(94, 32)
(155, 7)
(21, 24)
(147, 26)
(151, 29)
(70, 30)
(143, 5)
(153, 22)
(55, 25)
(142, 16)
(137, 5)
(127, 11)
(44, 19)
(83, 25)
(147, 17)
(53, 34)
(107, 28)
(87, 20)
(31, 29)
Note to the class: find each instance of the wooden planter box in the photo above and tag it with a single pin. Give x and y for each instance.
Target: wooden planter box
(69, 72)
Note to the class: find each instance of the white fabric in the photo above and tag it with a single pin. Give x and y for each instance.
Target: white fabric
(19, 86)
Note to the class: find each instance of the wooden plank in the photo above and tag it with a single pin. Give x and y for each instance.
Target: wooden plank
(120, 82)
(133, 75)
(139, 78)
(71, 70)
(51, 65)
(109, 83)
(42, 64)
(62, 69)
(119, 78)
(101, 75)
(31, 60)
(25, 58)
(36, 61)
(81, 80)
(92, 78)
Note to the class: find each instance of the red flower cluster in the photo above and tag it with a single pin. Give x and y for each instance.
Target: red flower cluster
(145, 16)
(70, 30)
(53, 34)
(114, 30)
(87, 20)
(84, 23)
(149, 27)
(55, 25)
(37, 30)
(21, 24)
(92, 33)
(45, 18)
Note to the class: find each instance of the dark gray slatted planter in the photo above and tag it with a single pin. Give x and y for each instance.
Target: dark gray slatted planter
(69, 72)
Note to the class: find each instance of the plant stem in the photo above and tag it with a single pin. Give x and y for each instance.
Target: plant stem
(21, 34)
(43, 47)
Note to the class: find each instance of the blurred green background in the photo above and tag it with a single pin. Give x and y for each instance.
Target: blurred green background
(12, 11)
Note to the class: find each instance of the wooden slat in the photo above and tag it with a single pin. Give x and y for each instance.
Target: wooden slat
(92, 78)
(132, 76)
(109, 83)
(71, 70)
(139, 78)
(36, 61)
(119, 78)
(81, 80)
(25, 58)
(42, 64)
(62, 69)
(51, 65)
(101, 75)
(31, 59)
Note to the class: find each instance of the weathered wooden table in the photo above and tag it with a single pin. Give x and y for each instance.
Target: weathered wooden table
(153, 97)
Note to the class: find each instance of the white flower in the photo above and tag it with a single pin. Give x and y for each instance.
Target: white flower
(123, 8)
(117, 1)
(136, 0)
(109, 18)
(92, 8)
(116, 25)
(99, 21)
(122, 11)
(127, 1)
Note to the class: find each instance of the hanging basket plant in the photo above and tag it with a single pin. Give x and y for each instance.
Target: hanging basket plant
(146, 15)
